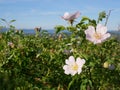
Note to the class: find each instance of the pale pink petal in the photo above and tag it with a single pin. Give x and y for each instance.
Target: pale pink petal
(77, 14)
(97, 41)
(67, 61)
(70, 17)
(105, 36)
(71, 59)
(101, 29)
(66, 16)
(73, 73)
(80, 62)
(90, 31)
(98, 35)
(71, 64)
(74, 16)
(66, 68)
(79, 70)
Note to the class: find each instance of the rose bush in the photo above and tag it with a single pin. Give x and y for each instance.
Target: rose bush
(84, 58)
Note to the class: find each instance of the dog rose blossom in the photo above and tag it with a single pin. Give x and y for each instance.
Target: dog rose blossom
(72, 67)
(71, 17)
(97, 35)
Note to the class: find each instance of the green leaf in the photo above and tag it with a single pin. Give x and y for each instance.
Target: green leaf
(12, 21)
(59, 28)
(3, 19)
(102, 15)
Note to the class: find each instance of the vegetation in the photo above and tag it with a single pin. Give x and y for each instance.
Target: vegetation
(35, 62)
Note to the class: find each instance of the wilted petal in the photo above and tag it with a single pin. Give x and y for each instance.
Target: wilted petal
(70, 17)
(74, 16)
(77, 14)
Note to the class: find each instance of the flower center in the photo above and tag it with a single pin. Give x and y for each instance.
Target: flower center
(75, 67)
(97, 35)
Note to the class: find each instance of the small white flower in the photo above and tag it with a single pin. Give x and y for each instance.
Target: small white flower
(98, 35)
(72, 67)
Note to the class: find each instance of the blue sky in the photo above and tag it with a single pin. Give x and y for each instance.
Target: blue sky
(47, 13)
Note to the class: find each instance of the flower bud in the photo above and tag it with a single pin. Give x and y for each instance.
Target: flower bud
(106, 64)
(60, 37)
(0, 36)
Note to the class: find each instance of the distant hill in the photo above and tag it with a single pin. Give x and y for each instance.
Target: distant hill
(115, 34)
(52, 31)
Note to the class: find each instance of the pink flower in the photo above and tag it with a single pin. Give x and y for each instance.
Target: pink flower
(72, 67)
(71, 17)
(97, 36)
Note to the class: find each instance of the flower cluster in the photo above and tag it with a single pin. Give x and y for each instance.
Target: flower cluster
(96, 35)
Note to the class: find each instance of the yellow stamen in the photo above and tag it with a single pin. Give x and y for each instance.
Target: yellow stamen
(75, 67)
(97, 35)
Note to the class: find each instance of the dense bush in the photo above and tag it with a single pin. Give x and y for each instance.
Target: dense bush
(35, 62)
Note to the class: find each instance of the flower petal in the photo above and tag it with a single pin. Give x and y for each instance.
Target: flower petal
(74, 16)
(101, 29)
(73, 73)
(79, 70)
(66, 16)
(90, 31)
(80, 62)
(70, 17)
(71, 59)
(66, 68)
(105, 36)
(77, 14)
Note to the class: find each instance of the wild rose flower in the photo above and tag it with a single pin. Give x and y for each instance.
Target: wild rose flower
(37, 29)
(98, 35)
(72, 67)
(71, 17)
